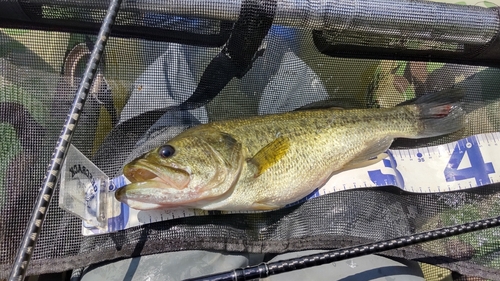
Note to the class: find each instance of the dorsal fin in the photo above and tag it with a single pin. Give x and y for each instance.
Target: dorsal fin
(331, 104)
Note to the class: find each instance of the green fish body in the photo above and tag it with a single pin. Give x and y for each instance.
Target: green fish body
(266, 162)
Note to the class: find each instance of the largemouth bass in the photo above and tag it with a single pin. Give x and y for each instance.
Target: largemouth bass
(266, 162)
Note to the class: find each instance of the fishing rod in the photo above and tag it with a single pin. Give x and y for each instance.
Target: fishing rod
(266, 269)
(28, 243)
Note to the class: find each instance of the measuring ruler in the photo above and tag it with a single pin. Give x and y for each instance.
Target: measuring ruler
(463, 164)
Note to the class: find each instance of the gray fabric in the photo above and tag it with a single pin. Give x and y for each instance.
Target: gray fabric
(280, 94)
(371, 267)
(168, 266)
(166, 82)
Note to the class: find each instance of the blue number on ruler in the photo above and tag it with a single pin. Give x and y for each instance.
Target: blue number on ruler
(380, 179)
(477, 170)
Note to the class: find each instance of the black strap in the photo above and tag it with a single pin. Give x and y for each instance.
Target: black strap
(240, 51)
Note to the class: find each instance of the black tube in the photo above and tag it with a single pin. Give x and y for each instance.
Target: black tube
(34, 227)
(481, 54)
(265, 270)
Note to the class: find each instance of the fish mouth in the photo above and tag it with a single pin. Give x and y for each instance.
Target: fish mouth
(149, 185)
(142, 196)
(163, 177)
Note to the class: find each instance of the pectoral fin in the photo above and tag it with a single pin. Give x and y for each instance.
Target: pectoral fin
(374, 152)
(365, 163)
(270, 155)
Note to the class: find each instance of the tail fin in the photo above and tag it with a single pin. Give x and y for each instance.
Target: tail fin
(440, 113)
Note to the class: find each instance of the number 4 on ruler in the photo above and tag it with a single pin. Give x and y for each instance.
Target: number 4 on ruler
(467, 162)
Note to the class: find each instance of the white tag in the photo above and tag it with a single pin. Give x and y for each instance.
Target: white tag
(85, 192)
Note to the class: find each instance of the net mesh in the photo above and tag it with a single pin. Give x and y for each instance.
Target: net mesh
(40, 71)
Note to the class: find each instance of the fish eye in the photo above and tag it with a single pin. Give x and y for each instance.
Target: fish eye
(166, 151)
